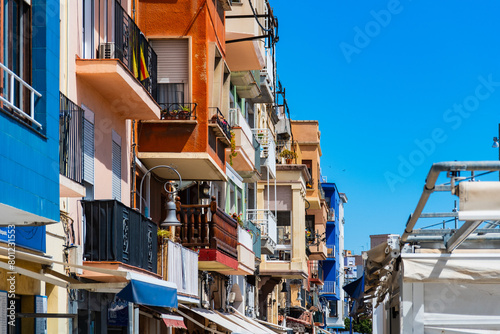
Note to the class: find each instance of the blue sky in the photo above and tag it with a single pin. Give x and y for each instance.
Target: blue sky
(396, 86)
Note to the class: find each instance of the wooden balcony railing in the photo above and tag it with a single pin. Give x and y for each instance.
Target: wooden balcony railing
(207, 226)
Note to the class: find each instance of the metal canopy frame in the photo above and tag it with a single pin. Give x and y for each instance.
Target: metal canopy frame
(472, 220)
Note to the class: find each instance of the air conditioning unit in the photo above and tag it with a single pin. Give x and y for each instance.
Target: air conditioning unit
(75, 256)
(107, 51)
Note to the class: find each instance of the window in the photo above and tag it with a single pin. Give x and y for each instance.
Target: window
(117, 167)
(17, 54)
(173, 70)
(332, 306)
(284, 226)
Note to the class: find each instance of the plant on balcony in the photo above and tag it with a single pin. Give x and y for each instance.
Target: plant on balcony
(239, 220)
(233, 152)
(183, 112)
(288, 155)
(163, 235)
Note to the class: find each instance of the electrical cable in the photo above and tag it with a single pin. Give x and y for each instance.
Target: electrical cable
(257, 19)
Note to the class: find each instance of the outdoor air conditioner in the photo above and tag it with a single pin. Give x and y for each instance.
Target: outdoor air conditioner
(107, 51)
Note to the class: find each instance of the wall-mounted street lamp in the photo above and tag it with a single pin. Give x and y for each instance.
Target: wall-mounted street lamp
(204, 190)
(496, 144)
(171, 219)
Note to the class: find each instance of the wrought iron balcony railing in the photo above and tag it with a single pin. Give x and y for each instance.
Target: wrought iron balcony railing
(70, 139)
(115, 232)
(128, 44)
(178, 111)
(216, 117)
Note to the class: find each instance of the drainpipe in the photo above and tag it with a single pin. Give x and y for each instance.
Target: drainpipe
(430, 183)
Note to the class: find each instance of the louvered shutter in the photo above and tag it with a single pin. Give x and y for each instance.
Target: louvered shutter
(117, 171)
(173, 61)
(88, 151)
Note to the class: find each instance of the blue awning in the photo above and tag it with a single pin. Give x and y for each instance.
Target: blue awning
(356, 290)
(150, 294)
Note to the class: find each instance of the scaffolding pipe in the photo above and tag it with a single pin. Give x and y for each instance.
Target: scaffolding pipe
(430, 184)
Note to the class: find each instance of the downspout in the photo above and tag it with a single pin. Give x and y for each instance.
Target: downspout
(430, 183)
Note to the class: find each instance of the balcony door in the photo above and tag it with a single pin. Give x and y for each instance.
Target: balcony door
(17, 48)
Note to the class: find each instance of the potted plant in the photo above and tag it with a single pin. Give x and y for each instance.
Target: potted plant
(288, 155)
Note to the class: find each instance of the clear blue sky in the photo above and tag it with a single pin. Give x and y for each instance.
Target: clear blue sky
(420, 83)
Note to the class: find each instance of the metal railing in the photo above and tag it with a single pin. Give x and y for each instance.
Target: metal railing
(268, 147)
(181, 111)
(265, 220)
(115, 232)
(256, 236)
(217, 117)
(12, 95)
(321, 191)
(70, 139)
(282, 145)
(330, 251)
(329, 287)
(316, 270)
(237, 119)
(134, 50)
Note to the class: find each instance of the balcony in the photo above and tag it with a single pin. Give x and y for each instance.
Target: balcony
(331, 215)
(329, 288)
(125, 70)
(247, 83)
(267, 81)
(213, 232)
(288, 152)
(178, 111)
(219, 124)
(19, 98)
(183, 143)
(266, 221)
(70, 148)
(177, 264)
(119, 236)
(246, 54)
(268, 152)
(244, 160)
(254, 230)
(246, 257)
(330, 252)
(315, 272)
(318, 251)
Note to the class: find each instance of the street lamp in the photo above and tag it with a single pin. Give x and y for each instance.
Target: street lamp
(171, 219)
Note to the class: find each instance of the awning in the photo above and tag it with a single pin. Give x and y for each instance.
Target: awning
(274, 327)
(134, 287)
(321, 330)
(173, 321)
(247, 323)
(149, 293)
(299, 321)
(218, 319)
(356, 290)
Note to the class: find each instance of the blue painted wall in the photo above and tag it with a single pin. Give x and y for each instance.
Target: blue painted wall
(29, 159)
(331, 266)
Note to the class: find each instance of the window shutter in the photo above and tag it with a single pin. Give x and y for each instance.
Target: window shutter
(88, 151)
(117, 171)
(173, 60)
